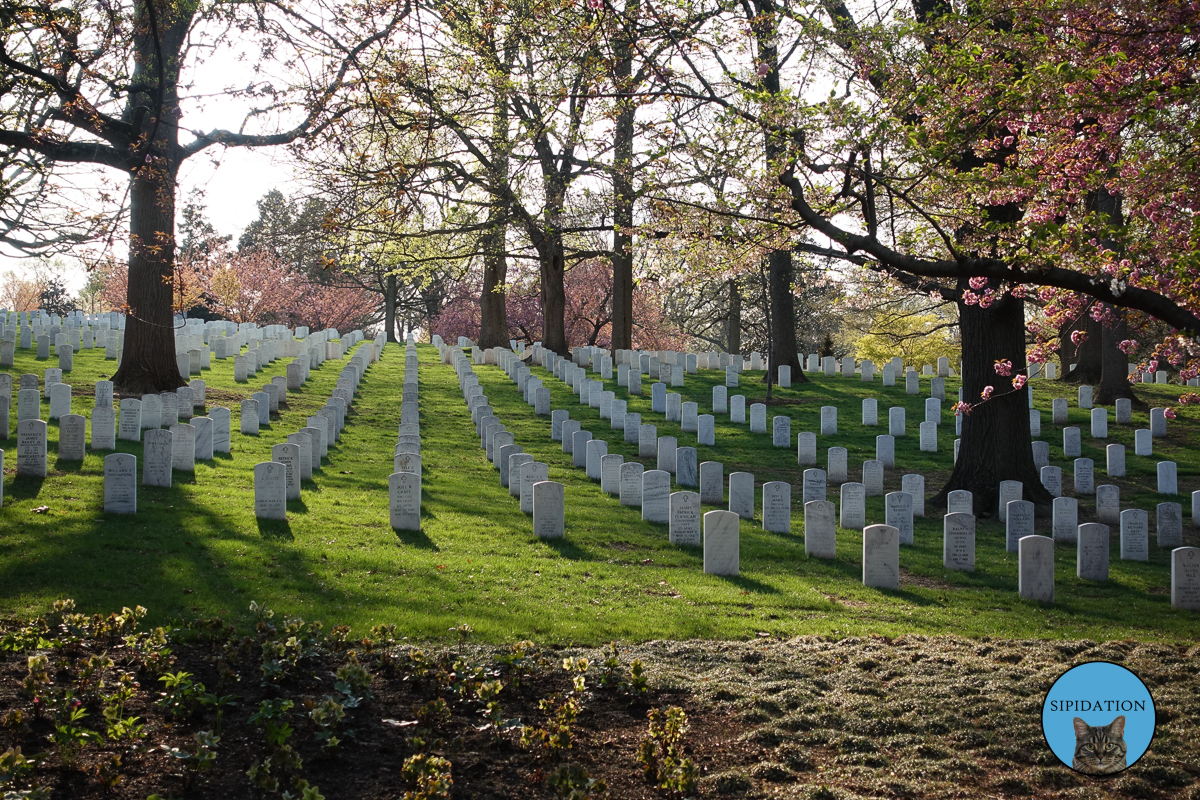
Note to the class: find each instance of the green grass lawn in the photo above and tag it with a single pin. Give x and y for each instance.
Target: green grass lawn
(197, 549)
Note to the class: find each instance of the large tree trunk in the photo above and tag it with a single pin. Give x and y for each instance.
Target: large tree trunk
(389, 307)
(733, 321)
(148, 356)
(783, 317)
(493, 303)
(780, 286)
(493, 306)
(1087, 354)
(995, 435)
(552, 266)
(148, 362)
(622, 252)
(1114, 375)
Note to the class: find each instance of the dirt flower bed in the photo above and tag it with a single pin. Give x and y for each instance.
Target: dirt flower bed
(100, 707)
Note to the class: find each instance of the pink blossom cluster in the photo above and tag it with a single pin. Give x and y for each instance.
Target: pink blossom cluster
(1003, 368)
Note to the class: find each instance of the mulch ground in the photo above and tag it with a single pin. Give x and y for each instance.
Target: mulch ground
(809, 717)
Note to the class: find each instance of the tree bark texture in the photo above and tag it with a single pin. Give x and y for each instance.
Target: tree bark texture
(493, 303)
(389, 307)
(1087, 354)
(148, 356)
(622, 252)
(733, 321)
(995, 437)
(552, 267)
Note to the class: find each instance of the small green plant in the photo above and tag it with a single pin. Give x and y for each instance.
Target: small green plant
(17, 723)
(327, 716)
(572, 782)
(117, 725)
(637, 684)
(353, 680)
(433, 712)
(71, 737)
(149, 652)
(429, 776)
(611, 679)
(183, 696)
(38, 678)
(17, 770)
(660, 753)
(271, 717)
(557, 734)
(520, 660)
(199, 759)
(577, 668)
(283, 764)
(108, 772)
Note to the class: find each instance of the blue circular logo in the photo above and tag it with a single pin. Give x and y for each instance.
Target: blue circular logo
(1098, 718)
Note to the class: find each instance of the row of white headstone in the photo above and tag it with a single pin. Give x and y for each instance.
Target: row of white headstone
(279, 480)
(176, 448)
(651, 490)
(525, 479)
(404, 484)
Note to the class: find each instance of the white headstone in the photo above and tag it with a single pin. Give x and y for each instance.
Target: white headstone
(1099, 423)
(820, 529)
(685, 519)
(880, 556)
(898, 513)
(958, 542)
(667, 445)
(1071, 442)
(914, 485)
(896, 421)
(656, 494)
(631, 484)
(1135, 535)
(741, 494)
(828, 420)
(1169, 524)
(404, 501)
(31, 448)
(1115, 458)
(737, 409)
(1066, 519)
(183, 450)
(836, 466)
(120, 483)
(1084, 476)
(1035, 571)
(529, 473)
(104, 435)
(1108, 504)
(130, 425)
(1091, 552)
(960, 501)
(549, 510)
(777, 507)
(270, 490)
(289, 455)
(1058, 411)
(1019, 523)
(806, 448)
(870, 411)
(712, 483)
(1185, 578)
(1052, 480)
(854, 511)
(1168, 481)
(721, 543)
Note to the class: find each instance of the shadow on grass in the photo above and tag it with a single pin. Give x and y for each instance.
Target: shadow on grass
(417, 539)
(279, 529)
(748, 584)
(24, 487)
(569, 549)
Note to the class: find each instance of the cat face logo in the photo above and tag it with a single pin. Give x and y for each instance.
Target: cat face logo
(1099, 749)
(1098, 718)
